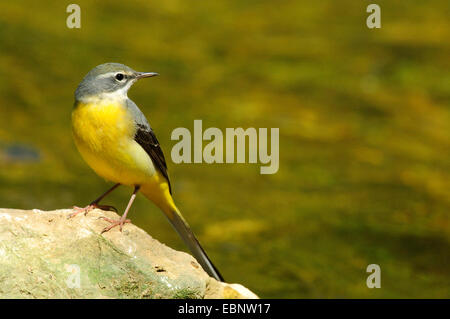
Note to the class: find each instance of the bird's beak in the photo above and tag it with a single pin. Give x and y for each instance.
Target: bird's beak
(141, 75)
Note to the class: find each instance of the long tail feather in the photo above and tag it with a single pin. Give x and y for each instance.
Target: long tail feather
(163, 199)
(185, 232)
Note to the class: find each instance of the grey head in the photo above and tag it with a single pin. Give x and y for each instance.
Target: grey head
(108, 79)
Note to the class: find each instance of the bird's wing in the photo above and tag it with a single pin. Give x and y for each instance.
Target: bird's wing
(146, 138)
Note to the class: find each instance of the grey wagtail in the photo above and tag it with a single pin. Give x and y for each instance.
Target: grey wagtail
(115, 139)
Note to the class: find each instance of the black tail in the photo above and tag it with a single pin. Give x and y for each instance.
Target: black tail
(185, 232)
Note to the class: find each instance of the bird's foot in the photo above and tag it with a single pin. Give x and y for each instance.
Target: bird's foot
(88, 208)
(114, 223)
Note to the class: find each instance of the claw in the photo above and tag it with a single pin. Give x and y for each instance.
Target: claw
(78, 210)
(122, 219)
(88, 208)
(114, 223)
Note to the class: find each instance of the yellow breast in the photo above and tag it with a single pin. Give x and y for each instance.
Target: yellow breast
(98, 125)
(104, 135)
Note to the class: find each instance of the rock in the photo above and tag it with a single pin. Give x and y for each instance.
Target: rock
(45, 255)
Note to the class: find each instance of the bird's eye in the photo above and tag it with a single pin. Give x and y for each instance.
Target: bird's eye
(119, 76)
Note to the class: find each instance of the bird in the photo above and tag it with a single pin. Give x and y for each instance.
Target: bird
(115, 139)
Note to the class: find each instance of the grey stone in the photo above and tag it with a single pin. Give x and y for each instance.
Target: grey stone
(45, 255)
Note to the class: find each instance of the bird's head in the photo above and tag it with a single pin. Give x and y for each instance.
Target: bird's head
(108, 80)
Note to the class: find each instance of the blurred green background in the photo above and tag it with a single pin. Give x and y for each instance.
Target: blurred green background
(364, 124)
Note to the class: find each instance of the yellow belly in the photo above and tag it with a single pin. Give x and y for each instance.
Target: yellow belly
(104, 135)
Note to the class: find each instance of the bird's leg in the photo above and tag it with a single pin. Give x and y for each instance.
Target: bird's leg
(122, 219)
(94, 204)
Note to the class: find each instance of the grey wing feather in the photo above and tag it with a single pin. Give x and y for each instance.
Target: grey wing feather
(146, 138)
(137, 114)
